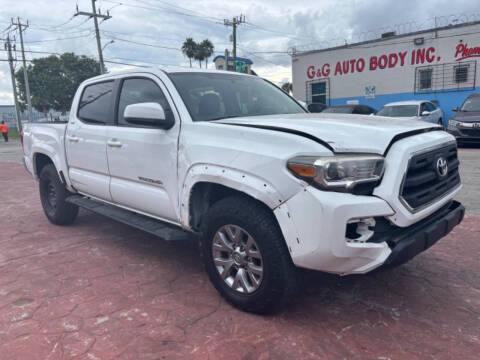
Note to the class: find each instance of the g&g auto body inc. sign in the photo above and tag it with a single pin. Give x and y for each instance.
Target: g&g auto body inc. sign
(426, 55)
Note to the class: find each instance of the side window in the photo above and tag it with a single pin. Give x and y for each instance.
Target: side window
(140, 91)
(357, 110)
(95, 104)
(431, 107)
(423, 107)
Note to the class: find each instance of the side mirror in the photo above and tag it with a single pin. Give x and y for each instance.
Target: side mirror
(315, 107)
(456, 109)
(425, 113)
(147, 114)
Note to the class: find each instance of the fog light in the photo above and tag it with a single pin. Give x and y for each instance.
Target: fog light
(358, 230)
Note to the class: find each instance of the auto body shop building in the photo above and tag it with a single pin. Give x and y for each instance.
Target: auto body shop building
(437, 64)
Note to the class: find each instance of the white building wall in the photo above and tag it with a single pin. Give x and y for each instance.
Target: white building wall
(397, 78)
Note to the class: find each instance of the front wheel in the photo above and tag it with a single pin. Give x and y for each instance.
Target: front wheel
(52, 195)
(246, 257)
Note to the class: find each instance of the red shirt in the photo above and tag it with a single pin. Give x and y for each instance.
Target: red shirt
(4, 128)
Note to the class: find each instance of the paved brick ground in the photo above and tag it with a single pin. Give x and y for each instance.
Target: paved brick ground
(101, 290)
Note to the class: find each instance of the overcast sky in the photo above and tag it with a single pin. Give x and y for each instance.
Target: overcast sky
(271, 28)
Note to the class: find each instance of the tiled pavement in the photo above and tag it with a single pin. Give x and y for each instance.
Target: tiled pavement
(101, 290)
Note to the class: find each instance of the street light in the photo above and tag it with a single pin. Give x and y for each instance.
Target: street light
(108, 43)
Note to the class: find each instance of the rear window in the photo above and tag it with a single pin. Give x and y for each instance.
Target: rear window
(339, 110)
(398, 111)
(95, 104)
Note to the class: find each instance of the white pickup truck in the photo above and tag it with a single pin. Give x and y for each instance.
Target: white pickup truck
(267, 187)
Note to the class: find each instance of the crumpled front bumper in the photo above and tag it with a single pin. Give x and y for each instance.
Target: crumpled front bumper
(406, 243)
(314, 225)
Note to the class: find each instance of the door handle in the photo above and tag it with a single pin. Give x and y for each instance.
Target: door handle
(114, 143)
(72, 138)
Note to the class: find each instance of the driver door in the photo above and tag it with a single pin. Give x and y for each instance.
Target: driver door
(142, 159)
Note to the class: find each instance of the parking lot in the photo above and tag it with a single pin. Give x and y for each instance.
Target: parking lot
(102, 290)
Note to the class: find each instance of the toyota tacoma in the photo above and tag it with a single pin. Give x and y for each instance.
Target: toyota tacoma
(266, 186)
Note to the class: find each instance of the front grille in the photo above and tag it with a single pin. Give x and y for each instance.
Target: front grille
(471, 132)
(422, 183)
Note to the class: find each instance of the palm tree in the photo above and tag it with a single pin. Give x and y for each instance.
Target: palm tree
(199, 54)
(207, 48)
(189, 49)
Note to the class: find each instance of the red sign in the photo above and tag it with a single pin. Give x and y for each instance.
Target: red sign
(464, 52)
(380, 62)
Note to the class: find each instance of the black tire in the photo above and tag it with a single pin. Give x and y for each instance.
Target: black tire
(280, 276)
(52, 195)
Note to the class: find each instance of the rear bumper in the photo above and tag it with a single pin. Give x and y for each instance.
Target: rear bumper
(408, 242)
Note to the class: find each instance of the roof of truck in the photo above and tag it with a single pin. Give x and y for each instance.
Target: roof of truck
(166, 69)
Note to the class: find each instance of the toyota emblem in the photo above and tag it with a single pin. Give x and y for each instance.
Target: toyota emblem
(442, 167)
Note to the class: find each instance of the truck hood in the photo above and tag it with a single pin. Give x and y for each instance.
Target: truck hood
(339, 132)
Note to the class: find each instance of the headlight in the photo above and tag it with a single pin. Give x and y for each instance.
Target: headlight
(453, 123)
(338, 173)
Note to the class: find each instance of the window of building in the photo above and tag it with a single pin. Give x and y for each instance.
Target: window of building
(425, 79)
(138, 90)
(319, 92)
(461, 73)
(445, 77)
(95, 104)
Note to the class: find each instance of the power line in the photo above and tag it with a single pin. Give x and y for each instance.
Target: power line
(182, 8)
(156, 8)
(142, 43)
(58, 39)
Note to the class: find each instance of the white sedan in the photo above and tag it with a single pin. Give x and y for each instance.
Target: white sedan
(414, 110)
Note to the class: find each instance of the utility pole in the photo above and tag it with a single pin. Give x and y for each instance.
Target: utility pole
(95, 16)
(226, 59)
(8, 47)
(21, 29)
(237, 20)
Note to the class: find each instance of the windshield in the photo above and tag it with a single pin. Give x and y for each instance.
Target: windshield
(398, 111)
(213, 96)
(339, 110)
(471, 104)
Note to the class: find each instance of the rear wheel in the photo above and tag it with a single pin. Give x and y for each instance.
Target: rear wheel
(52, 195)
(246, 257)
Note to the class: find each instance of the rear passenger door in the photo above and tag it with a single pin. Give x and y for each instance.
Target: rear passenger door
(143, 160)
(86, 137)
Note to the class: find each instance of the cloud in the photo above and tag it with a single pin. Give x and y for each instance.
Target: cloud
(272, 27)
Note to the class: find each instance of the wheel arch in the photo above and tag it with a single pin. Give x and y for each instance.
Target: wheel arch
(40, 160)
(206, 184)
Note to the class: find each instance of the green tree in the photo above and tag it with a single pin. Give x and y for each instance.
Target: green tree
(208, 48)
(189, 49)
(287, 87)
(54, 80)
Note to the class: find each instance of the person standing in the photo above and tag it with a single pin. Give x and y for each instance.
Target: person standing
(4, 129)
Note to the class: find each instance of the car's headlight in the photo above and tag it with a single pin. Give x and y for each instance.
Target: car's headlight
(453, 123)
(339, 173)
